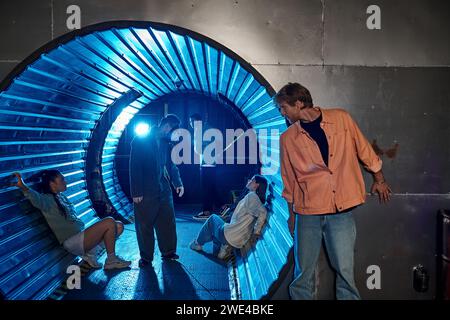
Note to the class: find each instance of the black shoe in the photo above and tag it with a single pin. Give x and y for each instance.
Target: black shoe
(172, 256)
(143, 263)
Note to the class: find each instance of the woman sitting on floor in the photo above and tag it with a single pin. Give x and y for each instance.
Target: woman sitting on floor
(67, 227)
(246, 222)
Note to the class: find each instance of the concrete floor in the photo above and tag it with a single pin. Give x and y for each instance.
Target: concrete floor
(195, 276)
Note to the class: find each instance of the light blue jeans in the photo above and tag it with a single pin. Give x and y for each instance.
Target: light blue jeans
(212, 230)
(339, 233)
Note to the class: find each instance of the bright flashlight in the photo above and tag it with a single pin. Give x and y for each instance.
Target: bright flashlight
(142, 129)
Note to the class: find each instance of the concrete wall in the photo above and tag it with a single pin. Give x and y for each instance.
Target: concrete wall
(394, 81)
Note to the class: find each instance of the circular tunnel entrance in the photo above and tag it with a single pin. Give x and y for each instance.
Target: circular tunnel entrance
(66, 106)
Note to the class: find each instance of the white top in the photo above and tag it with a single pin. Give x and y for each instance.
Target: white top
(248, 218)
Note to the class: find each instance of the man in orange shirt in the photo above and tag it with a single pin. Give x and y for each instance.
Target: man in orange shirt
(323, 183)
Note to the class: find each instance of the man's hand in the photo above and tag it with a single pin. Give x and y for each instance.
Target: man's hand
(138, 199)
(180, 191)
(383, 190)
(381, 187)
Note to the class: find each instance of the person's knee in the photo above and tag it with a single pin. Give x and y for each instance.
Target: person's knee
(209, 220)
(119, 227)
(109, 222)
(214, 218)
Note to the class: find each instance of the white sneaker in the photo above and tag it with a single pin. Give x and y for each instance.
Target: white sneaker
(116, 262)
(225, 252)
(202, 216)
(194, 245)
(92, 261)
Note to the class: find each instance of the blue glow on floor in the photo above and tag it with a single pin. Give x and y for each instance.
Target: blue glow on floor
(195, 276)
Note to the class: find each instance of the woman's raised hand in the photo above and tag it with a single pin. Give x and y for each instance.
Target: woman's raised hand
(19, 182)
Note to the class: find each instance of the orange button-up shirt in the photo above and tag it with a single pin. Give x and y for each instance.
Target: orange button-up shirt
(309, 184)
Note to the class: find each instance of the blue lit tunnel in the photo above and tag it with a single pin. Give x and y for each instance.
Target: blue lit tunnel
(66, 106)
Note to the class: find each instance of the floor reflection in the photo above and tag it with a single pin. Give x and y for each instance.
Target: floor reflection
(194, 276)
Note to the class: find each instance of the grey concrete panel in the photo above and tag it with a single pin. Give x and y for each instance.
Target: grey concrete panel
(397, 237)
(5, 68)
(25, 26)
(413, 32)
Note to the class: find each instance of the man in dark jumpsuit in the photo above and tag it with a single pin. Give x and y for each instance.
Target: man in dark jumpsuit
(151, 168)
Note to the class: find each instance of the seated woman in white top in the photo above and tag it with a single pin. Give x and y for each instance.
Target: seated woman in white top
(67, 227)
(246, 222)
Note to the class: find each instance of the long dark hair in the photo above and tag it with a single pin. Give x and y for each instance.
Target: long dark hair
(48, 176)
(262, 187)
(261, 192)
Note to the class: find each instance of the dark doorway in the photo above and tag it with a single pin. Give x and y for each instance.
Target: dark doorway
(218, 114)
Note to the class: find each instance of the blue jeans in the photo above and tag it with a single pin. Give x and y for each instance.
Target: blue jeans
(212, 230)
(339, 233)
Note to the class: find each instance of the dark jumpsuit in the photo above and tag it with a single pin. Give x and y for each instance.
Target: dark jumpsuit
(150, 170)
